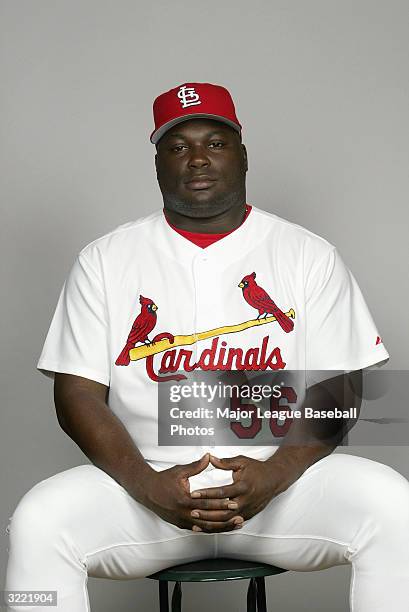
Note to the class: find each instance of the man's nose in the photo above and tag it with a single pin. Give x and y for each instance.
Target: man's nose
(198, 158)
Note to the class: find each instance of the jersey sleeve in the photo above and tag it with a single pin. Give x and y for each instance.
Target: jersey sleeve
(340, 332)
(77, 341)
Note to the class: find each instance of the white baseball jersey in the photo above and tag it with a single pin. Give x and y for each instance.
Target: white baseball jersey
(102, 328)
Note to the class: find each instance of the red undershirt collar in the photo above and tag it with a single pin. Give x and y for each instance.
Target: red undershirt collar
(203, 240)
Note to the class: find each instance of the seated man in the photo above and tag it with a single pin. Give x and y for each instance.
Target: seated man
(209, 283)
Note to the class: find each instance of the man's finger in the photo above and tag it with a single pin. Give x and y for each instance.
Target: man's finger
(231, 490)
(226, 463)
(211, 526)
(214, 516)
(213, 504)
(190, 469)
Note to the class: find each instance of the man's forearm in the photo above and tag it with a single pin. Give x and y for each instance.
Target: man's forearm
(309, 440)
(297, 457)
(89, 421)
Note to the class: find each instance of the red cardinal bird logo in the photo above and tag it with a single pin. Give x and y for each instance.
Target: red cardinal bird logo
(142, 326)
(261, 301)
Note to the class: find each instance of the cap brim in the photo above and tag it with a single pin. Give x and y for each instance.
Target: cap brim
(166, 126)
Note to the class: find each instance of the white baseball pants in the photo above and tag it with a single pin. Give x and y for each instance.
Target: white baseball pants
(344, 509)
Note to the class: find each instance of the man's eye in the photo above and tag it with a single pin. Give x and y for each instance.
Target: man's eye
(215, 144)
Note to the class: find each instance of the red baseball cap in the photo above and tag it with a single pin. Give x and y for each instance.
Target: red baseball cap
(200, 100)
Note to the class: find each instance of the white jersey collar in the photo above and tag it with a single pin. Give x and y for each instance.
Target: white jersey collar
(238, 242)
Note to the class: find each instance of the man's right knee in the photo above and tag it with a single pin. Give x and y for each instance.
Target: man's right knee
(52, 504)
(33, 522)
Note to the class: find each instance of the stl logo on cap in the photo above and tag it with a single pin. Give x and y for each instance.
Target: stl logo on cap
(188, 96)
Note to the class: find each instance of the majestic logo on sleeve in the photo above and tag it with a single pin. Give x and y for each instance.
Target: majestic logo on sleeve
(218, 356)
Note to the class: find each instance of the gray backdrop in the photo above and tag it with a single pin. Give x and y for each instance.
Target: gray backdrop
(321, 89)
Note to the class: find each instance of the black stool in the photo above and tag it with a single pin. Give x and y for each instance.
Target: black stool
(216, 569)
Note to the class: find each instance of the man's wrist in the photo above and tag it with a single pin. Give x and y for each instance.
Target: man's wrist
(296, 459)
(137, 473)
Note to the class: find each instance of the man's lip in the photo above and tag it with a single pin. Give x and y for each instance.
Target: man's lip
(200, 183)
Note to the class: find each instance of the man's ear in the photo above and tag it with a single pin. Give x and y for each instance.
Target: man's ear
(246, 163)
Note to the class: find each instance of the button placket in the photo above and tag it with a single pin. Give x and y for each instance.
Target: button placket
(201, 271)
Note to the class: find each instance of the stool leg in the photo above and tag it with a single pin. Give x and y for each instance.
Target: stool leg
(163, 596)
(177, 598)
(251, 596)
(261, 594)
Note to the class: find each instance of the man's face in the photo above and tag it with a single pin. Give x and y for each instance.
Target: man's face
(201, 168)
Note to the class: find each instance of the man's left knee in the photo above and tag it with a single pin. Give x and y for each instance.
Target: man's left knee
(390, 492)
